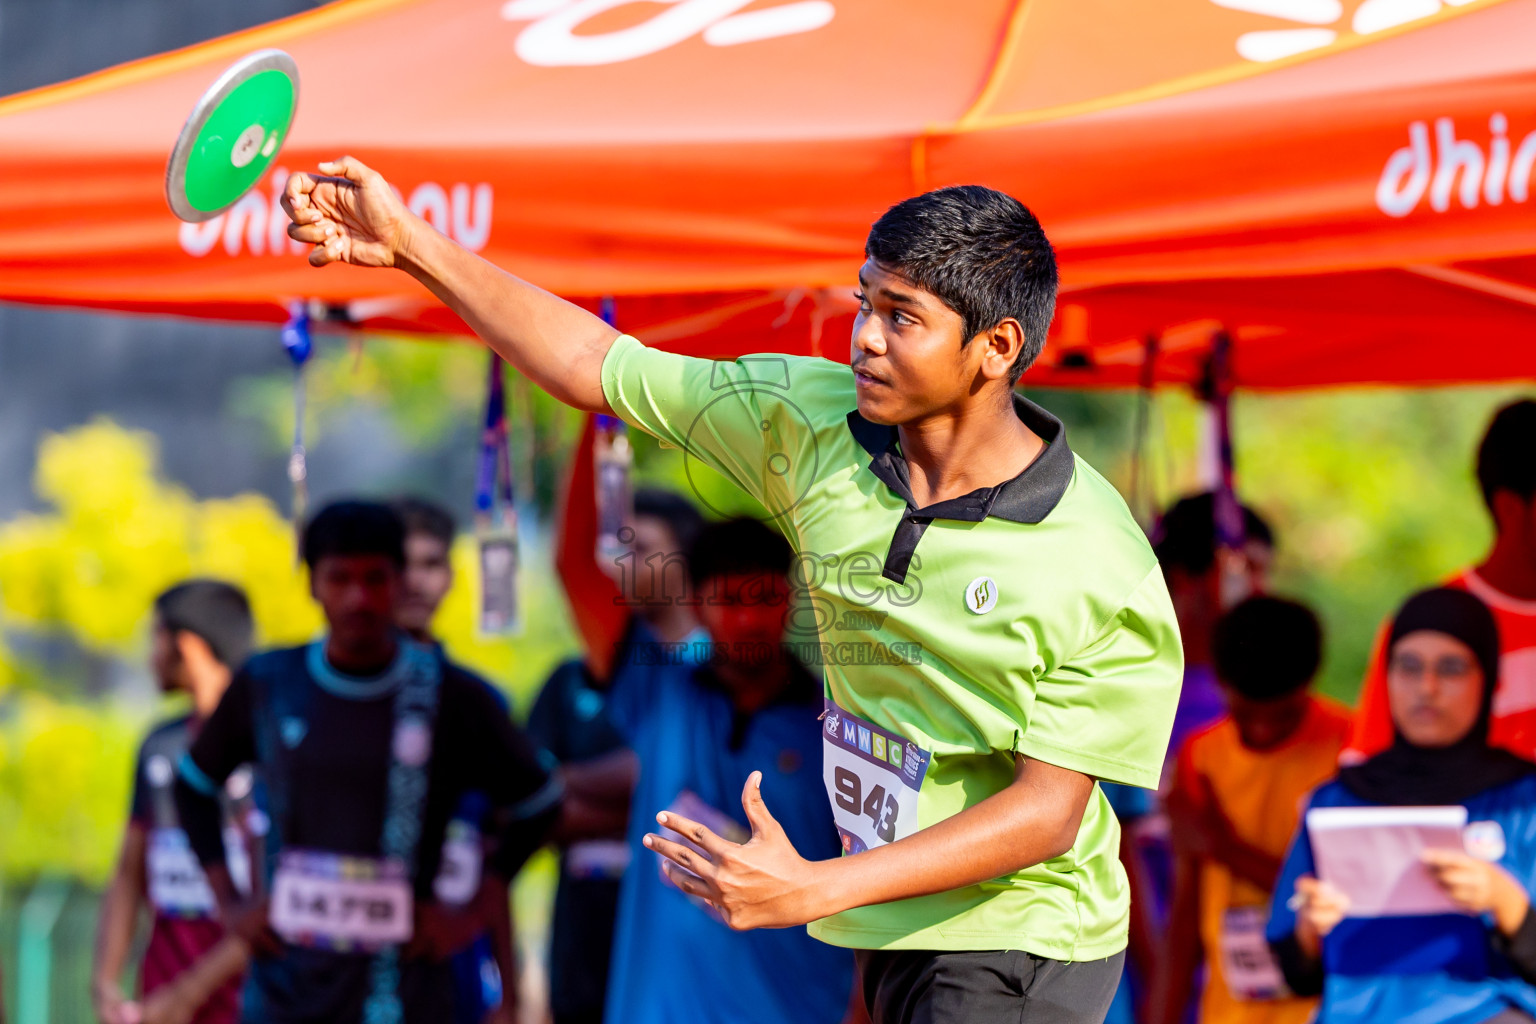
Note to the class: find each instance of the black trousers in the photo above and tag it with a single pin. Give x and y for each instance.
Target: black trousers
(985, 987)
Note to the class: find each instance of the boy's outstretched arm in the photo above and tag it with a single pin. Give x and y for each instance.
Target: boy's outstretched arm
(765, 883)
(354, 216)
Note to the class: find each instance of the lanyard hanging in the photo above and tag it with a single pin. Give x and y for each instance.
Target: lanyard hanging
(1231, 534)
(612, 459)
(297, 341)
(496, 516)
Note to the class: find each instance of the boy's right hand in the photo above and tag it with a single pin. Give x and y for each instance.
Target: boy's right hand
(111, 1006)
(1321, 908)
(352, 216)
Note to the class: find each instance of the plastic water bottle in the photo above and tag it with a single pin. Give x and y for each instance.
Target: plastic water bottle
(611, 461)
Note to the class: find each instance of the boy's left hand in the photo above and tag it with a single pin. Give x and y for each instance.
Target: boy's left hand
(762, 883)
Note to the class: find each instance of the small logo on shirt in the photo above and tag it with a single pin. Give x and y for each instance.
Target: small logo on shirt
(981, 595)
(1484, 840)
(159, 771)
(588, 704)
(413, 742)
(293, 731)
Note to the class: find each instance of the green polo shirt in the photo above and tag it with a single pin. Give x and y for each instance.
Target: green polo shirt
(1027, 618)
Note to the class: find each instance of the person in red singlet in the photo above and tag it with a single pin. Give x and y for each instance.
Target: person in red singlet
(1505, 581)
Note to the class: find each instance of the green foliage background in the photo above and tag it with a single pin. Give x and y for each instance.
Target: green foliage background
(1370, 492)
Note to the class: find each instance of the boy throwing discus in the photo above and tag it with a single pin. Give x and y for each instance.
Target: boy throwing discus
(995, 630)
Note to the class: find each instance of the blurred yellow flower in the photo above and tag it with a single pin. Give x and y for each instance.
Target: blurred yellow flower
(120, 534)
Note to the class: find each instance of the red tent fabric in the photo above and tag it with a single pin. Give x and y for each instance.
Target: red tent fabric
(1344, 185)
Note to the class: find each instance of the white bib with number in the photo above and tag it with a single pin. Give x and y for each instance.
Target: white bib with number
(177, 885)
(1247, 965)
(329, 901)
(872, 777)
(598, 858)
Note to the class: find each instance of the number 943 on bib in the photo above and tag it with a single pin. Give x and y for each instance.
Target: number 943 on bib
(872, 777)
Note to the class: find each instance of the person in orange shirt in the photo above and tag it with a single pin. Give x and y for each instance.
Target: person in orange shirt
(1237, 792)
(1506, 583)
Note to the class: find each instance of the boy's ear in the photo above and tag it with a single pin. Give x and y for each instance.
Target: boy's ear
(194, 651)
(1003, 341)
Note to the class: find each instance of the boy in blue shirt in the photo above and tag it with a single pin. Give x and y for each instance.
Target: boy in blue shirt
(699, 732)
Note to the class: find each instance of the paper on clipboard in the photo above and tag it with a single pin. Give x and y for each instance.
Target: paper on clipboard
(1372, 856)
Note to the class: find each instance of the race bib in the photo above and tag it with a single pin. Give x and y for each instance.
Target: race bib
(328, 901)
(872, 777)
(458, 876)
(177, 885)
(1247, 965)
(597, 859)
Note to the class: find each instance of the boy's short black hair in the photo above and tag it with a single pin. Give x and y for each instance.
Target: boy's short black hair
(980, 251)
(1185, 537)
(680, 515)
(1506, 460)
(1266, 648)
(422, 516)
(215, 611)
(354, 528)
(738, 547)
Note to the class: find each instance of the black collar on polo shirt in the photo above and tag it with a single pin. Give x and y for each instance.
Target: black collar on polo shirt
(1026, 498)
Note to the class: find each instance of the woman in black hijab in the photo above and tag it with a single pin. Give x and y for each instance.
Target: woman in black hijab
(1439, 629)
(1464, 968)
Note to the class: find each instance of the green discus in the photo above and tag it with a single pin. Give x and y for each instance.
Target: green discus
(233, 135)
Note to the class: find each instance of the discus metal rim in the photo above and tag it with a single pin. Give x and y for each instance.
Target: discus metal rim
(234, 76)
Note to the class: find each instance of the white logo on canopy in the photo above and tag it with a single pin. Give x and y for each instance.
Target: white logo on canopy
(257, 224)
(553, 40)
(1370, 16)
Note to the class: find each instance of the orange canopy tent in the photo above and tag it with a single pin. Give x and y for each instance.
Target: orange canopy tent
(1343, 185)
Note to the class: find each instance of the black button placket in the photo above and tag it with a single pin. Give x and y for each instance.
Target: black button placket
(1027, 498)
(909, 530)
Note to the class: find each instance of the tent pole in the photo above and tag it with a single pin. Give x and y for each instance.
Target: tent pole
(1142, 506)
